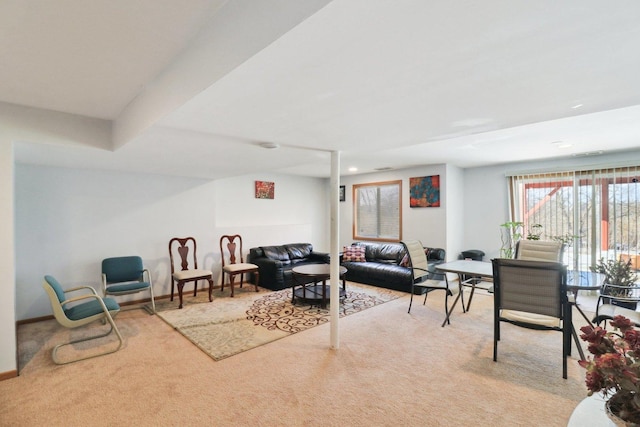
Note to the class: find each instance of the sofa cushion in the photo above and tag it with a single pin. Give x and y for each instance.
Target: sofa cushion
(298, 251)
(353, 254)
(278, 253)
(390, 253)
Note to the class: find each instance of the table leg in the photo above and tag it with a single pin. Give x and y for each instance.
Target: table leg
(455, 301)
(582, 313)
(574, 333)
(575, 338)
(462, 282)
(323, 304)
(294, 283)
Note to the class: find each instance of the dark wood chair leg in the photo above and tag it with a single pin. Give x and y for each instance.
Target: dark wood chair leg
(180, 287)
(232, 278)
(257, 279)
(210, 290)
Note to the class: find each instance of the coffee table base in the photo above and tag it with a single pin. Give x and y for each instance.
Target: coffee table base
(312, 294)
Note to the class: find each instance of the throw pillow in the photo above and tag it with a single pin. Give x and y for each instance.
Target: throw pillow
(353, 254)
(405, 261)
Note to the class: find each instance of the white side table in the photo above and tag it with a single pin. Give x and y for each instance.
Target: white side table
(590, 413)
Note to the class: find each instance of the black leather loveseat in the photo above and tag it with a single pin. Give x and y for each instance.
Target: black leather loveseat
(276, 262)
(384, 266)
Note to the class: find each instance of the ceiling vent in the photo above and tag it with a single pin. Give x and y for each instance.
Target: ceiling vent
(269, 145)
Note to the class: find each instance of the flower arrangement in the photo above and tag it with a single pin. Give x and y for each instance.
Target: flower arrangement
(615, 367)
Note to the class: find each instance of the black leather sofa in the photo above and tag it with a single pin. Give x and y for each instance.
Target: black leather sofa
(276, 262)
(383, 266)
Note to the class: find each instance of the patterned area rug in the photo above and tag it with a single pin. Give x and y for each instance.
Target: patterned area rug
(229, 326)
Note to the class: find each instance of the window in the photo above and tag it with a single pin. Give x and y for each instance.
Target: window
(377, 211)
(597, 212)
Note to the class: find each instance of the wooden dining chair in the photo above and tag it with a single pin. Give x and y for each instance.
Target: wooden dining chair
(233, 262)
(184, 250)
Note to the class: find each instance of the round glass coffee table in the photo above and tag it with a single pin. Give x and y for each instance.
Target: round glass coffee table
(310, 283)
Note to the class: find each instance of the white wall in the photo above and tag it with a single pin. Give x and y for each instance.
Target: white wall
(68, 220)
(455, 206)
(425, 224)
(485, 195)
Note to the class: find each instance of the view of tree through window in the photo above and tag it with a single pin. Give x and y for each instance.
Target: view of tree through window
(596, 212)
(377, 211)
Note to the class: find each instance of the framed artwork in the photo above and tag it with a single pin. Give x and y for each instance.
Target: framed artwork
(265, 190)
(342, 195)
(424, 192)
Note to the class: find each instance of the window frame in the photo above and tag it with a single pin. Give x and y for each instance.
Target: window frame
(356, 206)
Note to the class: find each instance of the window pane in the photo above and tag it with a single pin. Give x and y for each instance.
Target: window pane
(377, 211)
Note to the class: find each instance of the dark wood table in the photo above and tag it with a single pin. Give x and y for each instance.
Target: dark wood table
(311, 283)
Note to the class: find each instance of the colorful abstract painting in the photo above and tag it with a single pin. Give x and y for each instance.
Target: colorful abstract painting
(424, 191)
(264, 190)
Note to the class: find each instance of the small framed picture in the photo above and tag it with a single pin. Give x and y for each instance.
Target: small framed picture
(342, 195)
(265, 190)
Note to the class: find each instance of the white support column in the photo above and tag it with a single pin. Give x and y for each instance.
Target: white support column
(334, 192)
(8, 341)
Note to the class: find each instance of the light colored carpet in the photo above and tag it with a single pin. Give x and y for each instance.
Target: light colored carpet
(229, 326)
(391, 369)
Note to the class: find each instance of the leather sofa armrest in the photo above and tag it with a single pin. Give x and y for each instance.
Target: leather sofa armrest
(436, 254)
(268, 267)
(320, 257)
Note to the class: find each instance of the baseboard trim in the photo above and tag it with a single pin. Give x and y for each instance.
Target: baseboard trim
(8, 375)
(124, 304)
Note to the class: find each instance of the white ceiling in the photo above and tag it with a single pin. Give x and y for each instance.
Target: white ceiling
(192, 87)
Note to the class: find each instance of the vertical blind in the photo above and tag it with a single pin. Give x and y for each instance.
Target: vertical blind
(595, 212)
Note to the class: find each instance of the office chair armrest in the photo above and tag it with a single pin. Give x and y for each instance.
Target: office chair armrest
(82, 297)
(90, 296)
(93, 291)
(620, 293)
(104, 283)
(148, 276)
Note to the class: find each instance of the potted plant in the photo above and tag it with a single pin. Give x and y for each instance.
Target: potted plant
(566, 239)
(615, 368)
(510, 233)
(535, 231)
(620, 274)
